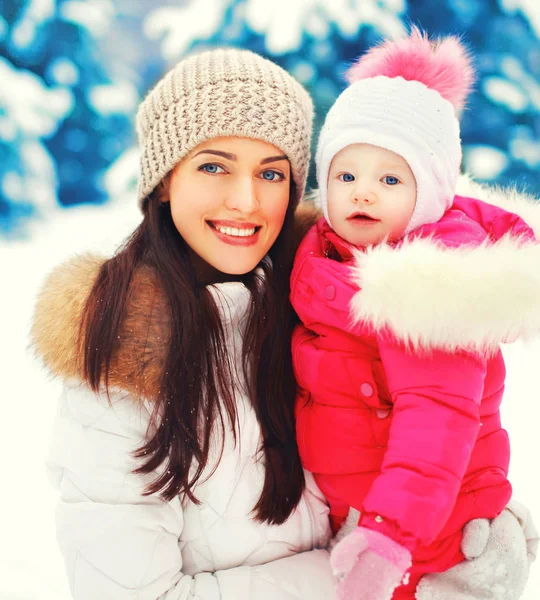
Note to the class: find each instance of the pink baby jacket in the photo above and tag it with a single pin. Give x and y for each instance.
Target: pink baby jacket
(401, 376)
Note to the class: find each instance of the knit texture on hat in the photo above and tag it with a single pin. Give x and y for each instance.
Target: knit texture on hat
(218, 93)
(403, 97)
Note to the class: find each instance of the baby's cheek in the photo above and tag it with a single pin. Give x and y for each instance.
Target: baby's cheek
(334, 212)
(398, 230)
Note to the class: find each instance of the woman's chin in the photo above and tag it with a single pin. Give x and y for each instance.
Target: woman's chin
(237, 267)
(224, 268)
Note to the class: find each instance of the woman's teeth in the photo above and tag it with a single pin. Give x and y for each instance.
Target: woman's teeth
(235, 232)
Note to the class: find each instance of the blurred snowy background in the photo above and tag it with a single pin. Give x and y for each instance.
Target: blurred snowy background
(71, 75)
(73, 71)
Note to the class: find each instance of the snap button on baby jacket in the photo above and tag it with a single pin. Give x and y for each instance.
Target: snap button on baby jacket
(382, 413)
(366, 389)
(330, 292)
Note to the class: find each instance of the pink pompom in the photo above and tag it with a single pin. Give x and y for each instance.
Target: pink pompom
(444, 65)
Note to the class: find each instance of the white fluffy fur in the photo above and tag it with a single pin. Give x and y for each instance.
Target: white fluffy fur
(436, 297)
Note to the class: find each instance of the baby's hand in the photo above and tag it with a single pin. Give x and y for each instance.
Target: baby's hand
(368, 565)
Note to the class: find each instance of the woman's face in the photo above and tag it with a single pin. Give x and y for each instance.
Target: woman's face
(229, 197)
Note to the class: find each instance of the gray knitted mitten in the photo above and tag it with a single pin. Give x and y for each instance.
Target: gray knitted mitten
(499, 554)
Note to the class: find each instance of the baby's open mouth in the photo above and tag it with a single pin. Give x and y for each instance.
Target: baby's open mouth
(361, 217)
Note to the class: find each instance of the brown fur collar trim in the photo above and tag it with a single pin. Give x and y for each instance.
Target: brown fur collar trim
(138, 363)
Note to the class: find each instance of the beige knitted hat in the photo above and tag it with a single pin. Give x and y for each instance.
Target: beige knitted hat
(223, 92)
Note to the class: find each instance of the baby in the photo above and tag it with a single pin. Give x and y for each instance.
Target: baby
(403, 307)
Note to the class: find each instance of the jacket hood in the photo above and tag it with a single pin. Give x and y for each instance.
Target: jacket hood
(471, 297)
(137, 364)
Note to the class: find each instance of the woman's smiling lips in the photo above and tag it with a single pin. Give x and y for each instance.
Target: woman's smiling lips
(235, 233)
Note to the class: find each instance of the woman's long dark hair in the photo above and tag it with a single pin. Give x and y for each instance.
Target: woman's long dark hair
(196, 388)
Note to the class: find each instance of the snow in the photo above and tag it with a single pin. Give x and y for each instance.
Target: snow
(108, 53)
(529, 8)
(120, 180)
(512, 68)
(484, 162)
(39, 10)
(30, 111)
(39, 176)
(304, 71)
(121, 97)
(30, 564)
(285, 35)
(505, 92)
(63, 71)
(95, 15)
(180, 26)
(28, 106)
(35, 13)
(316, 26)
(525, 148)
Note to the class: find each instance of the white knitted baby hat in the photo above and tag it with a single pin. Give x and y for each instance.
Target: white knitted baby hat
(217, 93)
(404, 96)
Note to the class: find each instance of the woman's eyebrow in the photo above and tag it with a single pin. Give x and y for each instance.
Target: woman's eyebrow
(270, 159)
(218, 153)
(233, 157)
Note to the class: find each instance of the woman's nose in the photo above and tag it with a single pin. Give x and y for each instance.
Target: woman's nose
(242, 196)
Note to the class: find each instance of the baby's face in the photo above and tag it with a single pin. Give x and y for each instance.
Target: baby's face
(371, 194)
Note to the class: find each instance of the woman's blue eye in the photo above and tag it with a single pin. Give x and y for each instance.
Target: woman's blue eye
(347, 177)
(272, 175)
(211, 168)
(390, 180)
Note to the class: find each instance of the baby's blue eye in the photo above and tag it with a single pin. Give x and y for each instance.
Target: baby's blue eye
(271, 175)
(347, 177)
(211, 168)
(390, 180)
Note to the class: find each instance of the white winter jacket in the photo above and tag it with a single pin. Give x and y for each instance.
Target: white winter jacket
(119, 544)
